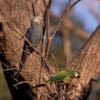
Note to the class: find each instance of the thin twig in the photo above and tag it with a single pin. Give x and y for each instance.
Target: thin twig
(10, 74)
(13, 78)
(14, 69)
(23, 82)
(48, 35)
(31, 83)
(46, 30)
(67, 10)
(36, 50)
(10, 69)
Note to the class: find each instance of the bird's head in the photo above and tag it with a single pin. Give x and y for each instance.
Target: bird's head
(37, 20)
(73, 73)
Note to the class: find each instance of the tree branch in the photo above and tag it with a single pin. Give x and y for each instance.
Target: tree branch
(66, 13)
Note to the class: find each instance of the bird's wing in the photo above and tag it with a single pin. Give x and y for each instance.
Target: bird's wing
(58, 77)
(29, 34)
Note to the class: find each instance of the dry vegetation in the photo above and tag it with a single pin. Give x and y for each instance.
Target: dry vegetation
(15, 19)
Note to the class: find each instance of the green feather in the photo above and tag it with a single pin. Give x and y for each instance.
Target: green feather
(58, 77)
(61, 76)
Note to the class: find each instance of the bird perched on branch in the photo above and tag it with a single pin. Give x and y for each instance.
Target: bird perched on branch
(63, 76)
(34, 35)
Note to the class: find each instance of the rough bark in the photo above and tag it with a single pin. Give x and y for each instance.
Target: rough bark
(15, 17)
(87, 63)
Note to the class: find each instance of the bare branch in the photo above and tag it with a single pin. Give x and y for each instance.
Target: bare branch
(67, 11)
(65, 14)
(30, 83)
(46, 30)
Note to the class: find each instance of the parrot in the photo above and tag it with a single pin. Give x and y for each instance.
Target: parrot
(34, 35)
(63, 76)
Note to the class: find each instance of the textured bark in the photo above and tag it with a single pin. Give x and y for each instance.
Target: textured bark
(87, 63)
(15, 17)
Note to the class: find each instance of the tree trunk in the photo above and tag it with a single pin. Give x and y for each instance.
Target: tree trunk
(87, 63)
(15, 18)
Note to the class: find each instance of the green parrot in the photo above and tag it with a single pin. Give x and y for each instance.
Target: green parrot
(63, 76)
